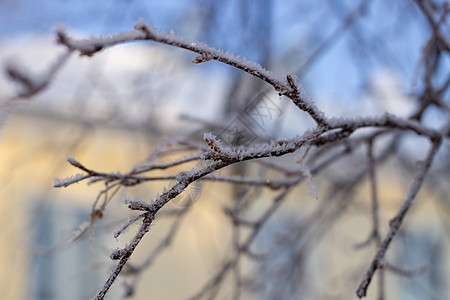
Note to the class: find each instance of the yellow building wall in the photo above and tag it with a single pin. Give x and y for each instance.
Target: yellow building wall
(33, 151)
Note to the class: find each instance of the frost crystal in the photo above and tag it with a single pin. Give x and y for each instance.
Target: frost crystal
(65, 182)
(182, 176)
(117, 254)
(136, 199)
(71, 159)
(126, 225)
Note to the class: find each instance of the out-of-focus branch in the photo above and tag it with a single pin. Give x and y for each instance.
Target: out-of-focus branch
(32, 85)
(135, 270)
(346, 23)
(407, 272)
(375, 212)
(213, 285)
(397, 221)
(221, 156)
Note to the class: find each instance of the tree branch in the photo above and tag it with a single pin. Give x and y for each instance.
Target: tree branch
(397, 221)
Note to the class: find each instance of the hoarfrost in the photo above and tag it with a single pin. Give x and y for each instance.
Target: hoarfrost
(65, 182)
(126, 225)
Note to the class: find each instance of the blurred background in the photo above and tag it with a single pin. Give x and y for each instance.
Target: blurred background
(110, 111)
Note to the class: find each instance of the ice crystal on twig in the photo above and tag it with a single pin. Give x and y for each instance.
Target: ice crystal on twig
(65, 182)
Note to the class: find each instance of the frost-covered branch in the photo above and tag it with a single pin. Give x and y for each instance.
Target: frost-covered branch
(311, 154)
(221, 156)
(143, 31)
(124, 254)
(135, 270)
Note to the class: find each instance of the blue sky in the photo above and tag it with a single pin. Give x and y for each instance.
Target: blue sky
(394, 32)
(97, 17)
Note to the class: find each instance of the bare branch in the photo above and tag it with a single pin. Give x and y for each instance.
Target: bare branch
(32, 85)
(375, 212)
(397, 221)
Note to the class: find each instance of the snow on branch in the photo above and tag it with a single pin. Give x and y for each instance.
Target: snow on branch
(143, 31)
(388, 121)
(138, 204)
(127, 224)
